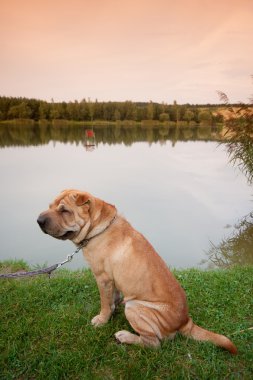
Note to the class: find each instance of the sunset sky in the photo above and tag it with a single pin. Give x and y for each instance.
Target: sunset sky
(139, 50)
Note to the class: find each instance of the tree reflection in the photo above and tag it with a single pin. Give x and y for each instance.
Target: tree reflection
(237, 248)
(40, 134)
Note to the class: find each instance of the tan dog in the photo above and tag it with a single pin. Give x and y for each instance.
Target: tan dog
(122, 260)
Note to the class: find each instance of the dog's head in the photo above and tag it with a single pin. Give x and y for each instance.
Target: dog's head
(74, 215)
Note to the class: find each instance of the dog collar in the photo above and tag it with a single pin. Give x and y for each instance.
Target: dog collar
(85, 242)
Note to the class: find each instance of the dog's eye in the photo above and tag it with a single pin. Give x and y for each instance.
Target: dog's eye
(63, 209)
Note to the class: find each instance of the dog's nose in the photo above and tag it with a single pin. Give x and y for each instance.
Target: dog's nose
(42, 219)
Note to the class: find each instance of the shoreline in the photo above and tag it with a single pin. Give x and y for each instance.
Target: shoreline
(104, 123)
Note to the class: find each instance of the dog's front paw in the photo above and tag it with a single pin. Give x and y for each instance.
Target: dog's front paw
(98, 320)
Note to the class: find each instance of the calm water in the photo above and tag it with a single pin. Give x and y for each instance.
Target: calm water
(176, 187)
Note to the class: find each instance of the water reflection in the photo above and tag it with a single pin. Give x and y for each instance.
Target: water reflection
(16, 135)
(89, 140)
(237, 249)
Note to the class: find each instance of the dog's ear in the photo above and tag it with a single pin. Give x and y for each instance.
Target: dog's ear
(82, 199)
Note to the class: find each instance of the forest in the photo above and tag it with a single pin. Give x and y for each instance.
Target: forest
(12, 108)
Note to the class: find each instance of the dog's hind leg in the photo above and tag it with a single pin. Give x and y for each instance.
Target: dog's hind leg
(144, 323)
(124, 336)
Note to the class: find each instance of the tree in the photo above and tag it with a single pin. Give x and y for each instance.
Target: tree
(150, 110)
(34, 105)
(73, 110)
(188, 116)
(164, 116)
(44, 110)
(174, 112)
(84, 110)
(21, 111)
(130, 110)
(116, 115)
(91, 109)
(205, 117)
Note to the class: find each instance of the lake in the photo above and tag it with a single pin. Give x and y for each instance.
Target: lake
(175, 186)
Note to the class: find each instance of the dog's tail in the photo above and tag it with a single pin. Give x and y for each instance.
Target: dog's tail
(198, 333)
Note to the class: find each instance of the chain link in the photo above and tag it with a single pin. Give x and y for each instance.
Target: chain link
(71, 255)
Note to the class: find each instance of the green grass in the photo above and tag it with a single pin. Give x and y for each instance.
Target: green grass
(45, 330)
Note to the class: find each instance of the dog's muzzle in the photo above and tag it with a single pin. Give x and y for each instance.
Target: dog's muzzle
(43, 222)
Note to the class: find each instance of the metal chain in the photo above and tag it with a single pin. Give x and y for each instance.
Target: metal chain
(71, 255)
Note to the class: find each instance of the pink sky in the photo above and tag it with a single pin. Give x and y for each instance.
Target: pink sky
(139, 50)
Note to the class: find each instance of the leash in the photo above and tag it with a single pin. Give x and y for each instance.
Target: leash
(52, 268)
(47, 270)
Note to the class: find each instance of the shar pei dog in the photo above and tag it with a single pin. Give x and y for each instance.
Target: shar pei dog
(124, 262)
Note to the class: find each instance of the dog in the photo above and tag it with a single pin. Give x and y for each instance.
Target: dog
(124, 262)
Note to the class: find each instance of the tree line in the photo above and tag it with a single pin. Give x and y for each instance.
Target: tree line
(87, 110)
